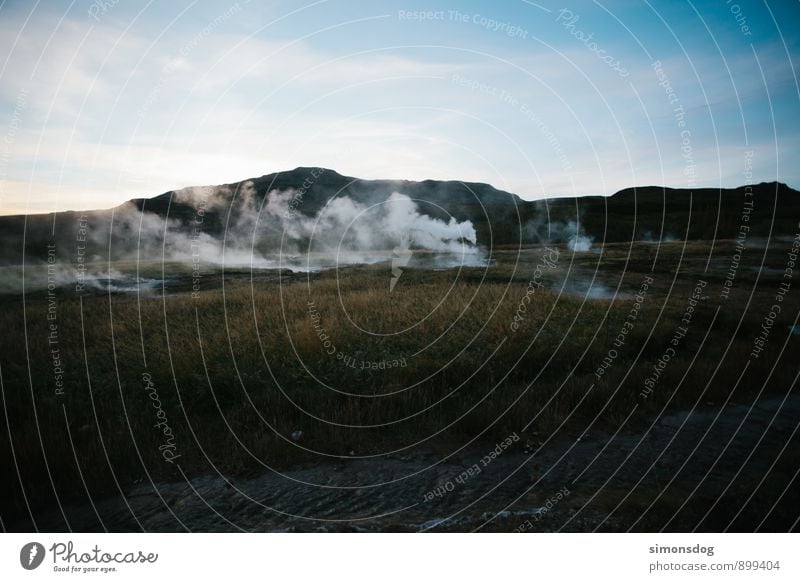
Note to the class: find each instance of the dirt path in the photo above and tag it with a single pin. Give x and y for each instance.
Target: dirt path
(720, 467)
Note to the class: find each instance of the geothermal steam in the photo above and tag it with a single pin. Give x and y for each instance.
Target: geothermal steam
(237, 228)
(570, 233)
(275, 233)
(357, 232)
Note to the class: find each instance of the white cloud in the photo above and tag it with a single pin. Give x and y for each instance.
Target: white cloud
(115, 115)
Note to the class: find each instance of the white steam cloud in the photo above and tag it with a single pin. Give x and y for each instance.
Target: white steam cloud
(236, 227)
(570, 233)
(347, 226)
(274, 233)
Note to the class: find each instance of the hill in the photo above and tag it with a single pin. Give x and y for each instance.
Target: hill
(255, 215)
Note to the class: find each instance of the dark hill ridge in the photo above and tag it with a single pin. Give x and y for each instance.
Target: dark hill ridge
(499, 217)
(695, 214)
(464, 200)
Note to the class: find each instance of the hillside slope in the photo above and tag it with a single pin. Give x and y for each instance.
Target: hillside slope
(240, 215)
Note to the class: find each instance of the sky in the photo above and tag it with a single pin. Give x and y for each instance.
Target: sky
(102, 101)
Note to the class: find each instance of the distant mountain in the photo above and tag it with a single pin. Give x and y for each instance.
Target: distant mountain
(246, 211)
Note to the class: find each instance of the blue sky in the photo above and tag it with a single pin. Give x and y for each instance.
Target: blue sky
(105, 100)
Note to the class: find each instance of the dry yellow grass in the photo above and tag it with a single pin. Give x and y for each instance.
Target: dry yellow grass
(241, 367)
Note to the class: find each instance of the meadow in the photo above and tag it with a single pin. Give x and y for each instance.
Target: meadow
(253, 370)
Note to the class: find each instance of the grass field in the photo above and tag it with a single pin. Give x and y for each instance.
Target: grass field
(244, 370)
